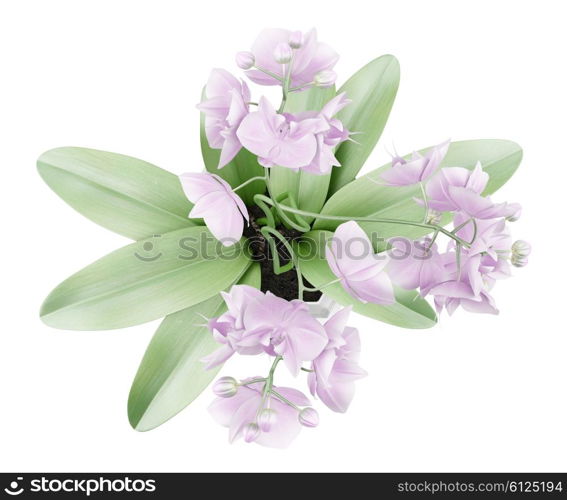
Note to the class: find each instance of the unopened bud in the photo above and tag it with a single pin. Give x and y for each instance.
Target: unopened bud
(296, 40)
(520, 251)
(516, 214)
(282, 53)
(245, 60)
(433, 217)
(309, 417)
(325, 78)
(225, 387)
(267, 419)
(251, 432)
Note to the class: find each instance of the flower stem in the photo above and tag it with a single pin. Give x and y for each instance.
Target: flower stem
(249, 181)
(319, 288)
(475, 228)
(270, 377)
(285, 400)
(425, 202)
(253, 381)
(433, 238)
(268, 385)
(301, 87)
(458, 259)
(286, 85)
(269, 73)
(432, 227)
(270, 231)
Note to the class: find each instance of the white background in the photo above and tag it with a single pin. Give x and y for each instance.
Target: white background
(476, 393)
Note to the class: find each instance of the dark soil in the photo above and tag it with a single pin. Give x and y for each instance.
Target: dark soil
(283, 285)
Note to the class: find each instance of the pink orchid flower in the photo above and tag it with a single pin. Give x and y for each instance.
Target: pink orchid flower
(328, 138)
(490, 236)
(258, 322)
(215, 202)
(228, 329)
(242, 409)
(280, 139)
(452, 294)
(225, 106)
(336, 369)
(416, 264)
(470, 285)
(285, 329)
(308, 58)
(479, 207)
(351, 258)
(437, 188)
(417, 169)
(459, 189)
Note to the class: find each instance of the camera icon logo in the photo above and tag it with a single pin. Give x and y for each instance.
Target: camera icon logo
(148, 250)
(14, 487)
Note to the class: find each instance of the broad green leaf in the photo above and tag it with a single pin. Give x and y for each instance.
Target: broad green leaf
(409, 310)
(372, 90)
(129, 196)
(244, 166)
(145, 281)
(171, 374)
(364, 198)
(310, 190)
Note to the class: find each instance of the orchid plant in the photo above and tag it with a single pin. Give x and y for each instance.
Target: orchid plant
(235, 257)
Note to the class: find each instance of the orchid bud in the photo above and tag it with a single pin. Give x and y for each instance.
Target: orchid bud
(325, 78)
(266, 419)
(309, 417)
(520, 251)
(433, 217)
(251, 432)
(245, 60)
(296, 40)
(225, 387)
(282, 53)
(516, 215)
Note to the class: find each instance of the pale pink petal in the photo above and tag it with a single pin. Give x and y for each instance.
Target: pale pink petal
(337, 397)
(478, 179)
(295, 396)
(405, 174)
(378, 290)
(197, 185)
(285, 430)
(230, 148)
(221, 216)
(453, 289)
(244, 415)
(223, 409)
(220, 83)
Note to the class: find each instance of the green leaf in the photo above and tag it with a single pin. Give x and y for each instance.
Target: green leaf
(310, 190)
(409, 310)
(171, 374)
(372, 90)
(126, 195)
(244, 166)
(145, 281)
(364, 198)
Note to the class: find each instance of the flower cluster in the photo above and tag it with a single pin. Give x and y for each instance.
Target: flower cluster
(256, 323)
(482, 250)
(298, 141)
